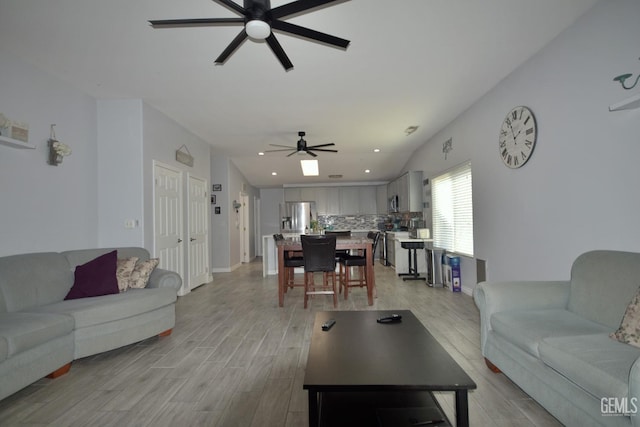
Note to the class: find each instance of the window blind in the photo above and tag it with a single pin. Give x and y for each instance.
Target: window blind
(453, 210)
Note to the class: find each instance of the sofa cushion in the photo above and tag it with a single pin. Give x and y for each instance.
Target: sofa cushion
(106, 308)
(596, 363)
(602, 284)
(141, 273)
(95, 278)
(25, 330)
(31, 280)
(527, 328)
(629, 330)
(124, 270)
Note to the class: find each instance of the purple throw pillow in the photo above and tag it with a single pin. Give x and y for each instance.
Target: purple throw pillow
(95, 278)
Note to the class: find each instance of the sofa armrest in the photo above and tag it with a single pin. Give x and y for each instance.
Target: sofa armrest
(634, 392)
(161, 278)
(494, 297)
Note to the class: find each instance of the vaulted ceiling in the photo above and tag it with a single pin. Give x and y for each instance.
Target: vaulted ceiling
(410, 63)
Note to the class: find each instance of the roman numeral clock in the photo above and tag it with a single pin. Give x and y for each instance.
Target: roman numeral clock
(517, 137)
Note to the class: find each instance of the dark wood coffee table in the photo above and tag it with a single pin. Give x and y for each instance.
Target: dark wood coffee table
(361, 369)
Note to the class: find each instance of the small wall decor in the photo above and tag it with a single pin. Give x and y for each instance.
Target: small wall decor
(447, 146)
(623, 77)
(217, 210)
(57, 150)
(13, 129)
(236, 206)
(184, 156)
(217, 187)
(213, 199)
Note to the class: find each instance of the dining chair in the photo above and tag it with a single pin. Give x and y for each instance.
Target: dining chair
(291, 261)
(359, 261)
(319, 253)
(344, 233)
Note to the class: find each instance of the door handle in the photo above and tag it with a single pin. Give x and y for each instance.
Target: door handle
(179, 240)
(191, 239)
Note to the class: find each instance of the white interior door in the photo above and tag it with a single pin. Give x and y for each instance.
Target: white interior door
(198, 232)
(168, 220)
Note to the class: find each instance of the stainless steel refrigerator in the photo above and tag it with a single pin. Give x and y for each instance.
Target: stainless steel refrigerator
(296, 217)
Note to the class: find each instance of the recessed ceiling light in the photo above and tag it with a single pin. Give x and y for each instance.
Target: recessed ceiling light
(274, 173)
(376, 150)
(309, 167)
(260, 153)
(367, 171)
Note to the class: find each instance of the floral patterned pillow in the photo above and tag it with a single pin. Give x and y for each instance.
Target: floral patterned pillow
(629, 330)
(142, 272)
(123, 272)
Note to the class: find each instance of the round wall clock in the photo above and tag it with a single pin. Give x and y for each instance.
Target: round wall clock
(517, 137)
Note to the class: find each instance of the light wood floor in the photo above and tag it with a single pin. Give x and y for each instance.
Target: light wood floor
(236, 359)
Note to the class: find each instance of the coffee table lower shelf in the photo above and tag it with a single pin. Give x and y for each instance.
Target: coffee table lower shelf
(379, 409)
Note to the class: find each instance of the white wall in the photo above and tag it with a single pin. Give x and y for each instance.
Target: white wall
(43, 207)
(577, 193)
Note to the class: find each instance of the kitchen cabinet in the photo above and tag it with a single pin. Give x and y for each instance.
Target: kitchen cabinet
(327, 200)
(382, 200)
(292, 194)
(408, 188)
(348, 200)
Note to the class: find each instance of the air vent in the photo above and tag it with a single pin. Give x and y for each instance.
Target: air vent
(335, 176)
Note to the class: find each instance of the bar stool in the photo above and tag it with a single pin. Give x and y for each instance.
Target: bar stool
(319, 253)
(359, 261)
(413, 271)
(291, 261)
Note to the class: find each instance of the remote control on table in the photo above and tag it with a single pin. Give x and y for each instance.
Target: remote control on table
(328, 324)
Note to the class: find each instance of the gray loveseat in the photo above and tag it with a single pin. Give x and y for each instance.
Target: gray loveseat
(552, 339)
(41, 333)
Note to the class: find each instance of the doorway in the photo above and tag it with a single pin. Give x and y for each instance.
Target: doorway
(198, 218)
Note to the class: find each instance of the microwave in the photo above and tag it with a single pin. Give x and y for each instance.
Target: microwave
(394, 204)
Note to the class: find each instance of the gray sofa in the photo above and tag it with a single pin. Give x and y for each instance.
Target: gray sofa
(41, 333)
(552, 339)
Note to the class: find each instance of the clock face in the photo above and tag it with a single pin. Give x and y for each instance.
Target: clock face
(517, 137)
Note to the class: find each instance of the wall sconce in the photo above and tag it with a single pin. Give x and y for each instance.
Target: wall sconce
(623, 77)
(57, 150)
(236, 206)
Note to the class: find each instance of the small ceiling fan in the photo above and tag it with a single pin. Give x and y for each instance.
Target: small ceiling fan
(259, 19)
(301, 146)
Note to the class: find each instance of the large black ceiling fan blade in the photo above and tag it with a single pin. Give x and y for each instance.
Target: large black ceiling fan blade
(232, 6)
(297, 7)
(279, 52)
(283, 146)
(296, 151)
(312, 154)
(322, 149)
(235, 43)
(310, 34)
(313, 147)
(197, 22)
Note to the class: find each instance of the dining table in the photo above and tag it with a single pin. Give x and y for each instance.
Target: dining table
(342, 242)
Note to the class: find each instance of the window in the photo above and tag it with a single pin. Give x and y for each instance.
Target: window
(453, 210)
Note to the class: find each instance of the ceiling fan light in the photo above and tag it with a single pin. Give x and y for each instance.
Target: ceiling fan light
(257, 29)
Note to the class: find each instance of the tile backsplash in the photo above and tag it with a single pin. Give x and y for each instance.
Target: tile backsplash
(360, 222)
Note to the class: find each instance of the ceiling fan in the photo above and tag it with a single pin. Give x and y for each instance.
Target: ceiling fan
(259, 19)
(301, 146)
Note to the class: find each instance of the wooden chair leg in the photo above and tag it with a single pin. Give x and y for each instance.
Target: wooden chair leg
(346, 282)
(306, 288)
(335, 294)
